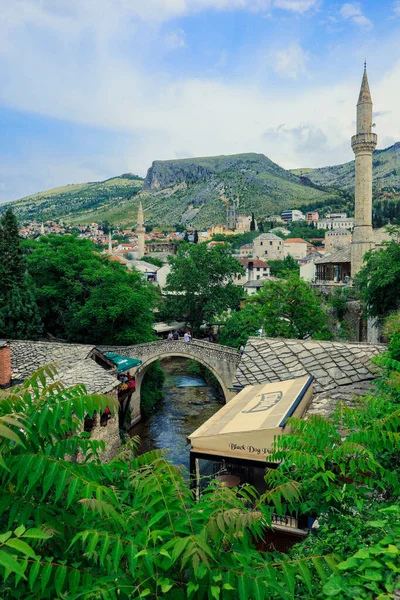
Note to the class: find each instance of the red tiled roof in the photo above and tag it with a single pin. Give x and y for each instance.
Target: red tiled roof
(256, 262)
(297, 240)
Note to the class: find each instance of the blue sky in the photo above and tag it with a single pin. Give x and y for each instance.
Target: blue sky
(94, 88)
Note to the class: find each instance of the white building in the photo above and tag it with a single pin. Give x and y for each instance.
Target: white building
(339, 223)
(255, 270)
(288, 216)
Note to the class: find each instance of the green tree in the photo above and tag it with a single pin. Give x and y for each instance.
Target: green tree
(84, 296)
(283, 268)
(378, 281)
(200, 284)
(291, 309)
(195, 237)
(19, 313)
(186, 237)
(252, 223)
(132, 528)
(240, 325)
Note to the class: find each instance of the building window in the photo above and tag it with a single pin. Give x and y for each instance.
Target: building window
(258, 276)
(266, 252)
(270, 243)
(258, 268)
(261, 243)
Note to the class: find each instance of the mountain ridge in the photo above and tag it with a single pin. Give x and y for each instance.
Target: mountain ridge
(189, 191)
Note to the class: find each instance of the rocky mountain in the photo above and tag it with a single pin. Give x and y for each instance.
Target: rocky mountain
(386, 174)
(190, 191)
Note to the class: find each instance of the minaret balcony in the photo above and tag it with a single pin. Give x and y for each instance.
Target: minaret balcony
(364, 142)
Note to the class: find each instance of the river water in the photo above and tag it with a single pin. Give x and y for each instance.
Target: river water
(188, 401)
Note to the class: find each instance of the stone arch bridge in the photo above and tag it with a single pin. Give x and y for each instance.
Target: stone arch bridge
(220, 360)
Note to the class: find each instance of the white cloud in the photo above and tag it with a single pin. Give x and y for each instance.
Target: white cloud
(44, 71)
(291, 61)
(352, 11)
(396, 8)
(175, 39)
(298, 6)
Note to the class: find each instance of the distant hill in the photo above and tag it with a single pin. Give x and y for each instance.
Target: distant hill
(386, 174)
(81, 202)
(188, 190)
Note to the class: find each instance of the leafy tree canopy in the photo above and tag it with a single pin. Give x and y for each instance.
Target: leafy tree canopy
(240, 325)
(283, 268)
(19, 313)
(378, 281)
(85, 297)
(200, 283)
(133, 529)
(291, 309)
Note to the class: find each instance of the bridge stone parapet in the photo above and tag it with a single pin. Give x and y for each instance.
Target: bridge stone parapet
(220, 360)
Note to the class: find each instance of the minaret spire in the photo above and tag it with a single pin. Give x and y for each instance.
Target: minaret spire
(363, 144)
(140, 231)
(109, 242)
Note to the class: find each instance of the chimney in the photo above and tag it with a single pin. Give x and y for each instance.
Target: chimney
(5, 364)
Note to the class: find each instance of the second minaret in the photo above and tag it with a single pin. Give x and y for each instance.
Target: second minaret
(363, 144)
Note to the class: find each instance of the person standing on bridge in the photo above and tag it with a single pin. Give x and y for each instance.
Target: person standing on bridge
(175, 335)
(187, 337)
(170, 336)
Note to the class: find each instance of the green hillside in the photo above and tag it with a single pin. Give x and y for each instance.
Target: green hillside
(386, 174)
(75, 203)
(180, 191)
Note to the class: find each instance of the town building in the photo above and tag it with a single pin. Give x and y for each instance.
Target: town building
(295, 247)
(342, 215)
(243, 222)
(288, 216)
(337, 239)
(336, 223)
(255, 269)
(269, 246)
(246, 250)
(312, 217)
(76, 364)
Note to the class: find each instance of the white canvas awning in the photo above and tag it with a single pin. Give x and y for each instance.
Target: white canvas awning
(245, 427)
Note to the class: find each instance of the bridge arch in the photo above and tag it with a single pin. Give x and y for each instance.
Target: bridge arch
(220, 360)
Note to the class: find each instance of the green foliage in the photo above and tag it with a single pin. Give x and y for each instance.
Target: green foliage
(291, 309)
(378, 281)
(253, 223)
(283, 268)
(133, 529)
(19, 313)
(127, 529)
(195, 237)
(240, 325)
(200, 284)
(85, 297)
(153, 260)
(151, 390)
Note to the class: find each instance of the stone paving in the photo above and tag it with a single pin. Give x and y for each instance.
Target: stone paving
(332, 364)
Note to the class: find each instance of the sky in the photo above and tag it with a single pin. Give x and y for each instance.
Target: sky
(90, 89)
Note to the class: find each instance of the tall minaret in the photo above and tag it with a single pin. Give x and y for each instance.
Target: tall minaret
(140, 231)
(363, 144)
(109, 242)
